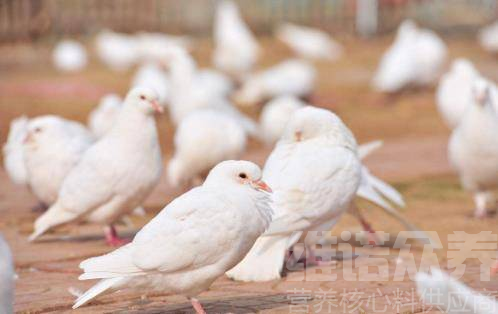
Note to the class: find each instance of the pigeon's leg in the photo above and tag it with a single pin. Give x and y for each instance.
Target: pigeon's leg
(480, 199)
(40, 207)
(197, 306)
(372, 237)
(112, 238)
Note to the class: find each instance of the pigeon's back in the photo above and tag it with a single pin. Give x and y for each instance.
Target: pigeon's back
(13, 151)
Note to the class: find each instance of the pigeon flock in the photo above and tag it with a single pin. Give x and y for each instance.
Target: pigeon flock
(103, 171)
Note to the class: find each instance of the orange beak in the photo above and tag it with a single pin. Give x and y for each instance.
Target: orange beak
(157, 107)
(260, 185)
(27, 139)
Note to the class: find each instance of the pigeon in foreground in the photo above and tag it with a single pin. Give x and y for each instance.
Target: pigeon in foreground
(192, 241)
(114, 175)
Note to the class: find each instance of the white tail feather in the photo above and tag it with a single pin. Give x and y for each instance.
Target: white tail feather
(53, 217)
(264, 262)
(96, 290)
(366, 149)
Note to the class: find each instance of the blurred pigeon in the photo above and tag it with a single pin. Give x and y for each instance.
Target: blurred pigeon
(314, 172)
(202, 140)
(488, 37)
(291, 77)
(117, 51)
(454, 92)
(473, 146)
(275, 115)
(7, 276)
(187, 246)
(116, 174)
(53, 146)
(153, 47)
(236, 50)
(309, 42)
(102, 118)
(452, 297)
(69, 56)
(13, 155)
(415, 58)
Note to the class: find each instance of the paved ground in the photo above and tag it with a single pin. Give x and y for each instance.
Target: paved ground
(413, 158)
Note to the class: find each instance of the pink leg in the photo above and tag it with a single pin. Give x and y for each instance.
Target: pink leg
(112, 238)
(494, 268)
(197, 306)
(311, 260)
(372, 238)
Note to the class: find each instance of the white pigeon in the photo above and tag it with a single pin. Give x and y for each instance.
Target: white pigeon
(452, 297)
(153, 47)
(102, 118)
(236, 50)
(416, 58)
(153, 76)
(52, 148)
(192, 91)
(117, 51)
(202, 140)
(275, 115)
(314, 172)
(309, 42)
(192, 241)
(454, 91)
(473, 146)
(13, 155)
(7, 276)
(488, 37)
(114, 175)
(291, 77)
(69, 56)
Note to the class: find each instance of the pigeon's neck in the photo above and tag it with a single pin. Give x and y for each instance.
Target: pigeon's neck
(133, 121)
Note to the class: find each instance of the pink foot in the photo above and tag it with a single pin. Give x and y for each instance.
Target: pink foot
(372, 237)
(494, 268)
(112, 238)
(197, 306)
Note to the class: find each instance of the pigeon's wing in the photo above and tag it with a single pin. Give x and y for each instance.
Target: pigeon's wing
(303, 185)
(91, 182)
(188, 233)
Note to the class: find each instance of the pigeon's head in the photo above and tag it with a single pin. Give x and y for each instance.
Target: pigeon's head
(44, 130)
(408, 27)
(239, 172)
(311, 122)
(482, 92)
(144, 98)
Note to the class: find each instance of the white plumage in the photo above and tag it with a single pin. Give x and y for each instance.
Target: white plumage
(202, 140)
(236, 50)
(416, 58)
(473, 146)
(275, 115)
(13, 154)
(314, 172)
(102, 118)
(154, 47)
(69, 56)
(52, 148)
(291, 77)
(454, 92)
(117, 51)
(153, 76)
(116, 174)
(192, 241)
(309, 42)
(7, 276)
(488, 37)
(451, 296)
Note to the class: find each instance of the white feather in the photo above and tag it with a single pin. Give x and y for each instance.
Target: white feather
(13, 155)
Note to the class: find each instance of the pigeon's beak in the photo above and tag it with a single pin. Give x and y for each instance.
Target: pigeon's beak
(260, 185)
(27, 139)
(157, 107)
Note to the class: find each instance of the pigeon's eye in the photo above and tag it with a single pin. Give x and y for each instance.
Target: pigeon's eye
(142, 97)
(243, 175)
(37, 130)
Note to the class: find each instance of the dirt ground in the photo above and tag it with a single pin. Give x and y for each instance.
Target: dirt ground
(413, 159)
